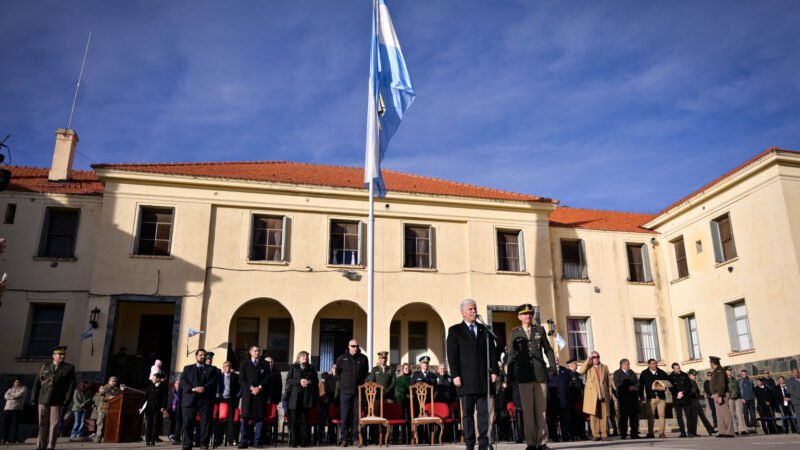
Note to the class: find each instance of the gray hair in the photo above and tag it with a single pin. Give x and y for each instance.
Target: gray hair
(466, 302)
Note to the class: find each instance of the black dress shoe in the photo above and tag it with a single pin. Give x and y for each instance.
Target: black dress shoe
(242, 446)
(683, 435)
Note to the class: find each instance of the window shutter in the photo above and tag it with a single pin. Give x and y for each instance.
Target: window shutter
(687, 325)
(646, 264)
(656, 339)
(362, 241)
(715, 237)
(521, 244)
(286, 238)
(582, 257)
(432, 247)
(732, 336)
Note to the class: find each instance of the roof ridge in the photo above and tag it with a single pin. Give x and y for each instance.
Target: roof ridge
(606, 210)
(426, 177)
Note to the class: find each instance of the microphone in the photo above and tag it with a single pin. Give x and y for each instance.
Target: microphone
(478, 317)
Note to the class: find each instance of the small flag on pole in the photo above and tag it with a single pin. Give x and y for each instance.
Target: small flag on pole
(193, 332)
(560, 342)
(390, 93)
(88, 334)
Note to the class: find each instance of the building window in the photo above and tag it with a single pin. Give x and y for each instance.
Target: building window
(278, 332)
(510, 251)
(680, 257)
(646, 340)
(45, 329)
(59, 233)
(246, 336)
(573, 260)
(579, 334)
(155, 231)
(394, 342)
(417, 340)
(738, 326)
(692, 338)
(722, 235)
(11, 213)
(638, 263)
(345, 243)
(419, 246)
(269, 238)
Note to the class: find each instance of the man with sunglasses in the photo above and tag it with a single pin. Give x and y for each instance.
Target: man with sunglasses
(352, 367)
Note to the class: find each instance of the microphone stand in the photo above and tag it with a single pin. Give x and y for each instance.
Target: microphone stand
(489, 334)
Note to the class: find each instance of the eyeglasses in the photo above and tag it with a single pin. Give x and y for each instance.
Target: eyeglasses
(596, 357)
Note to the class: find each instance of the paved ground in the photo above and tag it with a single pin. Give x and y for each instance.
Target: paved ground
(775, 441)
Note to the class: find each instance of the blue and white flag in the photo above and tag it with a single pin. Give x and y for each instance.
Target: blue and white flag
(560, 342)
(390, 93)
(88, 334)
(193, 332)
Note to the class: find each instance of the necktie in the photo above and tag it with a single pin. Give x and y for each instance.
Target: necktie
(472, 330)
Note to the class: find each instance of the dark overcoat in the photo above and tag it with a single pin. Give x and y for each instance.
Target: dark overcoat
(253, 375)
(466, 356)
(302, 397)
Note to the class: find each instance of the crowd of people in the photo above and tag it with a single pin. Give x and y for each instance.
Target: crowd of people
(521, 391)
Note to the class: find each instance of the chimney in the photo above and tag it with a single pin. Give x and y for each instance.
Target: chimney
(63, 154)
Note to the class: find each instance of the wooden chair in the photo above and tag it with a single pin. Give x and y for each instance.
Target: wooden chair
(422, 413)
(372, 393)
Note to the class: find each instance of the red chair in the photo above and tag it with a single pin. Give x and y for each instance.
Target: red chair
(512, 419)
(442, 411)
(457, 415)
(313, 423)
(393, 412)
(334, 414)
(271, 421)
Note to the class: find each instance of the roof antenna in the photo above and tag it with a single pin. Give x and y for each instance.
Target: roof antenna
(78, 86)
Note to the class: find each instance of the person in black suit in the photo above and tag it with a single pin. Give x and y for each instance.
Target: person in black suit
(467, 346)
(253, 379)
(228, 392)
(198, 389)
(155, 405)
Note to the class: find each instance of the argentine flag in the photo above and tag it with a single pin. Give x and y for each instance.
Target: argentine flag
(390, 93)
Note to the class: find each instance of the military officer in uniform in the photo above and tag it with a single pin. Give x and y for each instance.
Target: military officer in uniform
(424, 374)
(385, 376)
(52, 389)
(526, 365)
(719, 391)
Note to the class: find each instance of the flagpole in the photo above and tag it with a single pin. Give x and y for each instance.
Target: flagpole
(371, 270)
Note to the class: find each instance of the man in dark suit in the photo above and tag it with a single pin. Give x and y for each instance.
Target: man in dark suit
(198, 389)
(228, 393)
(627, 385)
(253, 380)
(467, 346)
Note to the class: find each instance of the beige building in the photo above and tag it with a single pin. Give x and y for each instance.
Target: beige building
(272, 253)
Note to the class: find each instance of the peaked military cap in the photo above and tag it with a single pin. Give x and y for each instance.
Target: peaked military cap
(424, 359)
(383, 354)
(209, 355)
(572, 361)
(60, 350)
(526, 308)
(714, 359)
(692, 372)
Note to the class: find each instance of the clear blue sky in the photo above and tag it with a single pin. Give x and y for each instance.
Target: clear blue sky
(622, 105)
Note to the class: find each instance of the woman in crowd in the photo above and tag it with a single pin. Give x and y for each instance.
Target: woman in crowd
(302, 391)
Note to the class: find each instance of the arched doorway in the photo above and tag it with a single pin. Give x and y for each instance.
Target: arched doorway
(332, 329)
(417, 329)
(266, 323)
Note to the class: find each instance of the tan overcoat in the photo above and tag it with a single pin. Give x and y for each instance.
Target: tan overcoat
(591, 392)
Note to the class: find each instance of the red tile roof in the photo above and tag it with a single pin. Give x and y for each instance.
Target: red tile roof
(726, 175)
(594, 219)
(323, 175)
(34, 179)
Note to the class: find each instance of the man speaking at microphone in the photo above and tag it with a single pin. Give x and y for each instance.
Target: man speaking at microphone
(467, 347)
